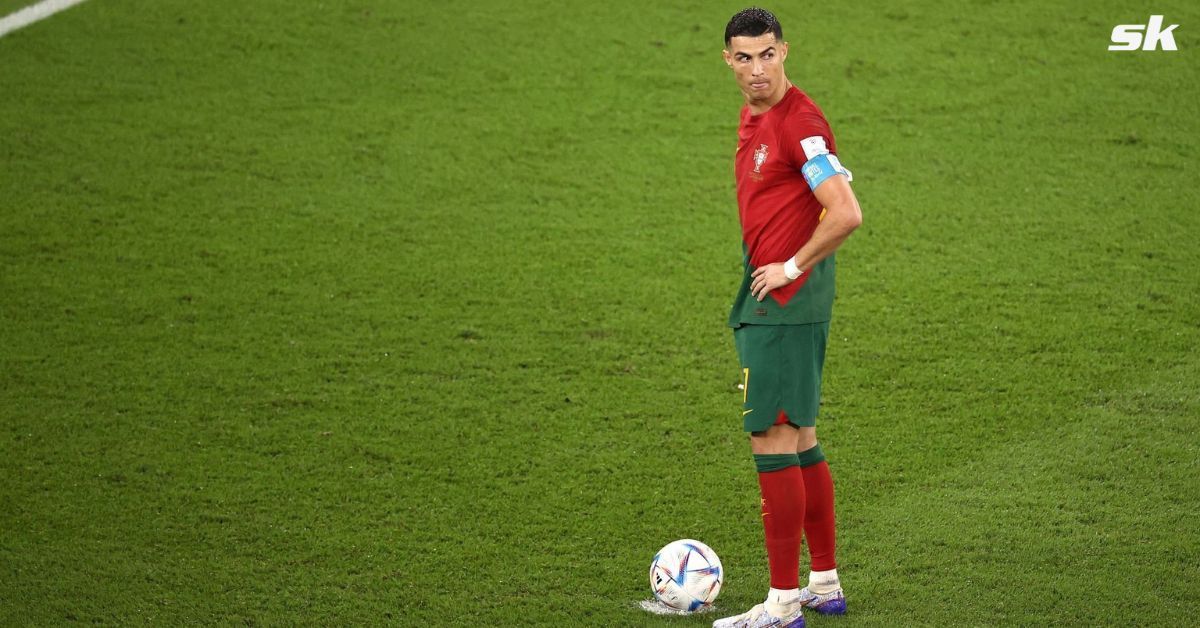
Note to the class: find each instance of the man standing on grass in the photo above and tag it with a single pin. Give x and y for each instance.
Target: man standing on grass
(796, 207)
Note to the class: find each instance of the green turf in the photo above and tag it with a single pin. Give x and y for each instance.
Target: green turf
(413, 313)
(12, 6)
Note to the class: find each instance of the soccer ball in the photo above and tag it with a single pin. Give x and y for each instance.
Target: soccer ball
(686, 575)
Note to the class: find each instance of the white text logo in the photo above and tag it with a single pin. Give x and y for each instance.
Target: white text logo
(1129, 36)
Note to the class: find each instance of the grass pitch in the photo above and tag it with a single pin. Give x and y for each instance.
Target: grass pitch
(363, 313)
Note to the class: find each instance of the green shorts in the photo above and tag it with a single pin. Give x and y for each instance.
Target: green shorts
(781, 373)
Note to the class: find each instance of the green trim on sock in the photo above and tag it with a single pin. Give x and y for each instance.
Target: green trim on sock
(767, 463)
(809, 457)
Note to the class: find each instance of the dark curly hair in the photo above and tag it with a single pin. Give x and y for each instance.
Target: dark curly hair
(753, 22)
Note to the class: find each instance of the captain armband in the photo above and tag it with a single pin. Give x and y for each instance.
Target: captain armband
(821, 167)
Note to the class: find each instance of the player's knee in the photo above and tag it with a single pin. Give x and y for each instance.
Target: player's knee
(806, 438)
(778, 439)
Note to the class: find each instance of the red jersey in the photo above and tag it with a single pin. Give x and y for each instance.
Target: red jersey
(777, 209)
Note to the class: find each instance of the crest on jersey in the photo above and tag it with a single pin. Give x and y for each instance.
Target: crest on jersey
(760, 157)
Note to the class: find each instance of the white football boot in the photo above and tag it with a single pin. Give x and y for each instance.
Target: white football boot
(770, 614)
(832, 603)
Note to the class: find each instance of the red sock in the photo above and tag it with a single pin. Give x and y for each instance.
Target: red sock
(819, 521)
(783, 521)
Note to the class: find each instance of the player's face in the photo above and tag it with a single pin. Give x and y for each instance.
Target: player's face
(757, 64)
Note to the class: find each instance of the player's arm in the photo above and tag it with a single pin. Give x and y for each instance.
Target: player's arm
(842, 217)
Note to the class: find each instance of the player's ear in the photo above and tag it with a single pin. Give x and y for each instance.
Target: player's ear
(783, 52)
(728, 57)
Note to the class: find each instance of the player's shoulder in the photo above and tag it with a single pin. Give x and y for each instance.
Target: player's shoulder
(805, 120)
(803, 109)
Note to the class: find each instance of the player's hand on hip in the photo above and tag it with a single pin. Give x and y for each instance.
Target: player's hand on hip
(764, 279)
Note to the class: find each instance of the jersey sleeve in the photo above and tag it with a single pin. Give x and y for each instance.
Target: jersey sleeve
(814, 150)
(807, 133)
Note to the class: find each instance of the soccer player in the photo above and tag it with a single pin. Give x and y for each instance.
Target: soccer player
(796, 207)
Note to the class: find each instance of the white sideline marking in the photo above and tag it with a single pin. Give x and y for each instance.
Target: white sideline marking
(33, 13)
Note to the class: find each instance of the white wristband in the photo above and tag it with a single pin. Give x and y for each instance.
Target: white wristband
(790, 269)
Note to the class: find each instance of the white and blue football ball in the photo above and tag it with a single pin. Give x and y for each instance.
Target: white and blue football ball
(686, 575)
